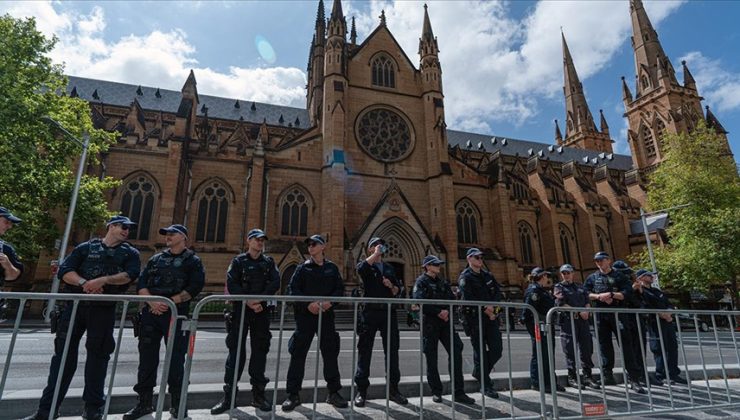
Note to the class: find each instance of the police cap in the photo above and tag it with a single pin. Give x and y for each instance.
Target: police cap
(566, 268)
(431, 260)
(122, 220)
(539, 272)
(472, 252)
(641, 272)
(256, 233)
(8, 215)
(601, 255)
(174, 229)
(375, 241)
(315, 238)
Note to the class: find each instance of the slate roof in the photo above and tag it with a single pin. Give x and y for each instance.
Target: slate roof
(123, 94)
(509, 146)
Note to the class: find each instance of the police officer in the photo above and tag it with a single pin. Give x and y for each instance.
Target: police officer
(317, 276)
(98, 266)
(176, 273)
(250, 273)
(477, 284)
(654, 298)
(572, 295)
(538, 296)
(10, 267)
(438, 323)
(608, 288)
(379, 281)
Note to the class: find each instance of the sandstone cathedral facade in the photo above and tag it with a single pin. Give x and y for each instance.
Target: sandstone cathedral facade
(371, 155)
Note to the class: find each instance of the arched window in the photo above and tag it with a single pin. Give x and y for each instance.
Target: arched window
(565, 239)
(526, 239)
(383, 72)
(294, 212)
(213, 213)
(603, 240)
(519, 190)
(648, 141)
(645, 82)
(467, 222)
(137, 203)
(660, 130)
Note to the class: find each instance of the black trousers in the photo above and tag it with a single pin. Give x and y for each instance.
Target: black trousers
(492, 347)
(581, 338)
(670, 343)
(437, 331)
(372, 321)
(257, 325)
(307, 325)
(546, 349)
(624, 327)
(98, 322)
(154, 329)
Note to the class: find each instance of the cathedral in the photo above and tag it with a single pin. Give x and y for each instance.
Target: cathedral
(371, 155)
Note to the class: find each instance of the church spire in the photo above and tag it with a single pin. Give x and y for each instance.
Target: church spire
(427, 42)
(626, 94)
(604, 126)
(336, 10)
(578, 115)
(337, 23)
(320, 28)
(650, 59)
(688, 79)
(558, 134)
(353, 33)
(713, 122)
(426, 32)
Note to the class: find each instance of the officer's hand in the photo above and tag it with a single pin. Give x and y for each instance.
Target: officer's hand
(255, 305)
(3, 259)
(378, 250)
(314, 308)
(489, 311)
(584, 315)
(325, 306)
(666, 317)
(444, 315)
(558, 294)
(157, 308)
(387, 282)
(94, 286)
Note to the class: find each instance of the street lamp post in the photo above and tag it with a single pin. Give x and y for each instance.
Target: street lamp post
(85, 143)
(643, 218)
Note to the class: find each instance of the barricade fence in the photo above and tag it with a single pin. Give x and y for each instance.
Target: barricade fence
(73, 302)
(666, 400)
(635, 329)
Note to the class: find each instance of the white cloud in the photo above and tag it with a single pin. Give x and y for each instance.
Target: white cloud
(161, 59)
(496, 68)
(720, 87)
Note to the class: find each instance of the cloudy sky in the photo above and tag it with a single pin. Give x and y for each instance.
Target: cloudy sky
(501, 60)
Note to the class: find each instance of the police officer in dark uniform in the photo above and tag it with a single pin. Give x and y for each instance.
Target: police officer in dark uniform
(477, 284)
(10, 267)
(98, 266)
(251, 273)
(572, 295)
(317, 276)
(379, 281)
(176, 273)
(538, 296)
(654, 298)
(438, 320)
(609, 288)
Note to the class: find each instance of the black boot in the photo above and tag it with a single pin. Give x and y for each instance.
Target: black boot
(143, 408)
(573, 380)
(175, 404)
(589, 380)
(259, 401)
(225, 404)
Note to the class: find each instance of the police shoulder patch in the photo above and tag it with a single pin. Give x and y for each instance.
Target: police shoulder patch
(535, 296)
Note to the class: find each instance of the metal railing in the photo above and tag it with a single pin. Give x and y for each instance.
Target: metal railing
(656, 404)
(75, 300)
(355, 303)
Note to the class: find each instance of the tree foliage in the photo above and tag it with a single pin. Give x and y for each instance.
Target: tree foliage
(704, 238)
(37, 163)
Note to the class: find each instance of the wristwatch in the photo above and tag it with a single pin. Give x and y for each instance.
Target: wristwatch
(81, 282)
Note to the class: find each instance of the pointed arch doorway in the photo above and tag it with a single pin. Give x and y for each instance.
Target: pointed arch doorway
(405, 249)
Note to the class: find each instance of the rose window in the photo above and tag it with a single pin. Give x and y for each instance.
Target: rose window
(384, 135)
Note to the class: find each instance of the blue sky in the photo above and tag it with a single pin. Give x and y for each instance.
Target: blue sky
(501, 61)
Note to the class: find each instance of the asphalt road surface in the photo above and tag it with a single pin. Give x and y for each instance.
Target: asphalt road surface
(34, 348)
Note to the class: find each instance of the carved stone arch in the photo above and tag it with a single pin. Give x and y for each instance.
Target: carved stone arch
(198, 190)
(468, 221)
(239, 138)
(287, 265)
(405, 247)
(567, 243)
(527, 239)
(603, 241)
(139, 200)
(383, 68)
(290, 203)
(128, 177)
(212, 199)
(386, 54)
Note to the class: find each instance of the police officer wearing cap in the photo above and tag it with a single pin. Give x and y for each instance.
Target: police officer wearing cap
(176, 273)
(10, 267)
(317, 276)
(477, 284)
(654, 298)
(609, 288)
(379, 281)
(538, 296)
(99, 266)
(438, 320)
(570, 294)
(250, 273)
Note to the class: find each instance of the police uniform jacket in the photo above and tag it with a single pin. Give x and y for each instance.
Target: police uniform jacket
(478, 287)
(9, 251)
(167, 274)
(249, 276)
(311, 279)
(372, 282)
(437, 288)
(540, 299)
(613, 282)
(93, 259)
(653, 298)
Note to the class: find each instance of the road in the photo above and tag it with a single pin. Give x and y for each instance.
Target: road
(33, 351)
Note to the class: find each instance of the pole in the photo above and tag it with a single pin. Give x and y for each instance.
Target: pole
(643, 218)
(70, 214)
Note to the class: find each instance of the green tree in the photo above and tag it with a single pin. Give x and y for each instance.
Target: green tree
(704, 238)
(37, 163)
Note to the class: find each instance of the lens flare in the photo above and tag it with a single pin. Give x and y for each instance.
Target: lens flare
(265, 49)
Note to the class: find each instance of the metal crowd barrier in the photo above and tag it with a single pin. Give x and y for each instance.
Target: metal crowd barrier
(282, 301)
(76, 299)
(653, 406)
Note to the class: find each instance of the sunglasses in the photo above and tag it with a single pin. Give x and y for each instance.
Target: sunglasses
(124, 227)
(477, 257)
(566, 272)
(435, 265)
(313, 244)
